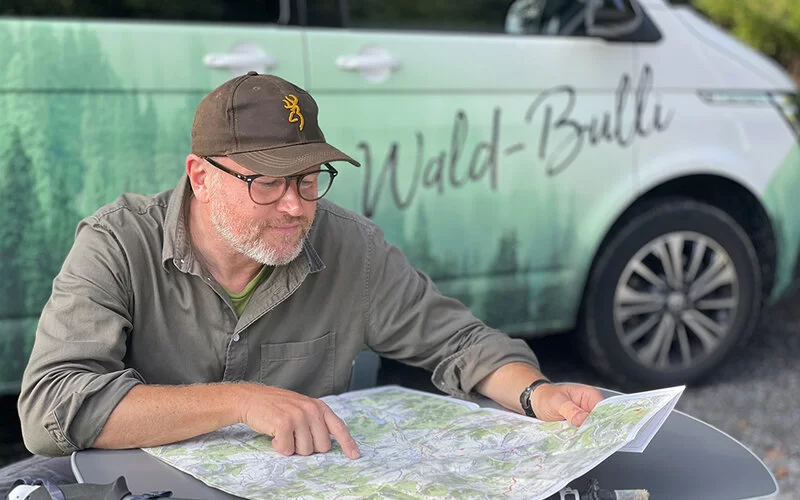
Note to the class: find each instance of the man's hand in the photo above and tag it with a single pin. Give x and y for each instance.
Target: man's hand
(297, 423)
(151, 415)
(571, 402)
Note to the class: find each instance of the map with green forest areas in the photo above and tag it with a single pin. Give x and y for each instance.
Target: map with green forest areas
(419, 445)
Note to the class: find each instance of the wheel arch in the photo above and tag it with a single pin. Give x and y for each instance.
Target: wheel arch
(722, 192)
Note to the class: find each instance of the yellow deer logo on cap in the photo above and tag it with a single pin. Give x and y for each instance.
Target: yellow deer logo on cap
(295, 115)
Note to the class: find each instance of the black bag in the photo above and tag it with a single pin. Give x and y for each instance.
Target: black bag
(118, 490)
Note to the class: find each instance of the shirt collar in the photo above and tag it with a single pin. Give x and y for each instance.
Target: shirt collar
(177, 247)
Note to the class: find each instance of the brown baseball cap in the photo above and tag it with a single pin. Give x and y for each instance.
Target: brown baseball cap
(265, 124)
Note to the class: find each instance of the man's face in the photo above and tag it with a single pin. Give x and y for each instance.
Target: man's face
(269, 234)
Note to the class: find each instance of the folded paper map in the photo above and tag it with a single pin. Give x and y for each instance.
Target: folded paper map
(419, 445)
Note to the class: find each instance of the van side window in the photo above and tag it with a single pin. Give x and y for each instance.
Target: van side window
(436, 15)
(544, 17)
(323, 13)
(515, 17)
(233, 11)
(562, 17)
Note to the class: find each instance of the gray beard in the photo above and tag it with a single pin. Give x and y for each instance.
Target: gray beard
(255, 249)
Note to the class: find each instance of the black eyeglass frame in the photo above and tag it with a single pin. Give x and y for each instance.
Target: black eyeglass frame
(286, 180)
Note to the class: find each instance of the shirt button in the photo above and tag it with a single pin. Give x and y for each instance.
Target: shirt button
(236, 338)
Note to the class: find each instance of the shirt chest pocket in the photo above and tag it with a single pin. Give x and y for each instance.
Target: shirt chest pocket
(306, 367)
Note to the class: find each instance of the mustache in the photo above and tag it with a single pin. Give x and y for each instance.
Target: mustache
(288, 221)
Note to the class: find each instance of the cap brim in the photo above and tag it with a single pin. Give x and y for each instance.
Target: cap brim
(288, 160)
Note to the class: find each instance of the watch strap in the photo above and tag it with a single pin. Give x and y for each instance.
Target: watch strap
(525, 397)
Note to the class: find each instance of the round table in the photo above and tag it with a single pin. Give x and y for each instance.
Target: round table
(687, 459)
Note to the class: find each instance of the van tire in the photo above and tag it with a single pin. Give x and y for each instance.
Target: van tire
(698, 225)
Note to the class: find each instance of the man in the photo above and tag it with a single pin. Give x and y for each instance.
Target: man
(241, 296)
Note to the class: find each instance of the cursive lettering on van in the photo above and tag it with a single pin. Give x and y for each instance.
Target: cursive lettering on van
(434, 172)
(563, 137)
(609, 127)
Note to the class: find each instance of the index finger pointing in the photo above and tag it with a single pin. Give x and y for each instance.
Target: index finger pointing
(341, 434)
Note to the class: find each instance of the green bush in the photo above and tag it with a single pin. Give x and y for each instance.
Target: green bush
(771, 26)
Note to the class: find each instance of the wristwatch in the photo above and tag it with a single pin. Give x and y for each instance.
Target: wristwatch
(525, 397)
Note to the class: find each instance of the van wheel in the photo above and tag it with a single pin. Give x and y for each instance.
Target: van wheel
(674, 291)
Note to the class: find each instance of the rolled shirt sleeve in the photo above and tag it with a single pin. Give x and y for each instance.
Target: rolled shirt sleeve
(410, 320)
(76, 375)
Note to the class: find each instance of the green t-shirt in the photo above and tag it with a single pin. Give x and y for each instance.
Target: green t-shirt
(241, 299)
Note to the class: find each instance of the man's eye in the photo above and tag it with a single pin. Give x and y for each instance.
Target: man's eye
(267, 184)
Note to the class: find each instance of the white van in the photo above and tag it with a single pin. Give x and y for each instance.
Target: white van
(622, 168)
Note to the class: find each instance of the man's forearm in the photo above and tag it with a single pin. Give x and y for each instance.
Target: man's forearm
(154, 415)
(505, 384)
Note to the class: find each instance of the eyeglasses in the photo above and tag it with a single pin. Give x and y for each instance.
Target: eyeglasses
(264, 190)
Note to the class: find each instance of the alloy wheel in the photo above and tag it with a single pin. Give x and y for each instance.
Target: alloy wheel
(675, 301)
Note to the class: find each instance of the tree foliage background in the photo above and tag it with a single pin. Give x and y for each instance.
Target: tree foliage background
(771, 26)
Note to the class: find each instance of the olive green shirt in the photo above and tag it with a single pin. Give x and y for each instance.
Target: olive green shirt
(133, 305)
(240, 299)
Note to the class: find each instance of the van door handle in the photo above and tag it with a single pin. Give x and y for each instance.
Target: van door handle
(242, 58)
(230, 61)
(366, 63)
(374, 63)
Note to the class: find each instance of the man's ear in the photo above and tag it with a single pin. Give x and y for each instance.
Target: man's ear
(197, 170)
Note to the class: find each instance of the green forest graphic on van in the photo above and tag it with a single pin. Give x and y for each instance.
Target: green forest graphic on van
(62, 155)
(78, 127)
(65, 153)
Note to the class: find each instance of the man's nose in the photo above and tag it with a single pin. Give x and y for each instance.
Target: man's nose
(291, 203)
